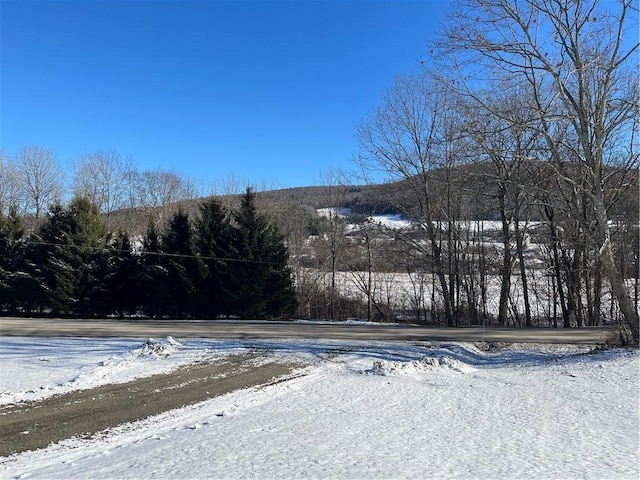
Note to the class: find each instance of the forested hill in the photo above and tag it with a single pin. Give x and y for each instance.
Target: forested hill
(475, 188)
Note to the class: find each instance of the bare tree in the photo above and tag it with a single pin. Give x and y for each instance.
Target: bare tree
(160, 190)
(362, 261)
(332, 236)
(230, 184)
(507, 144)
(41, 178)
(409, 137)
(9, 184)
(576, 61)
(103, 177)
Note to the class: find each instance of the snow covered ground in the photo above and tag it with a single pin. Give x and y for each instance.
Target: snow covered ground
(361, 410)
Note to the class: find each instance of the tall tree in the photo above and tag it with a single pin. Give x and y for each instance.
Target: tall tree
(153, 282)
(120, 278)
(9, 184)
(577, 62)
(41, 178)
(213, 241)
(159, 191)
(363, 271)
(507, 145)
(261, 280)
(103, 178)
(407, 140)
(11, 236)
(70, 242)
(183, 266)
(333, 234)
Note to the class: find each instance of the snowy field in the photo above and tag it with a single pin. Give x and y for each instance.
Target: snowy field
(360, 410)
(410, 293)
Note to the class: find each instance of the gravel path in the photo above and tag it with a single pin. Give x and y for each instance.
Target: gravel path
(34, 425)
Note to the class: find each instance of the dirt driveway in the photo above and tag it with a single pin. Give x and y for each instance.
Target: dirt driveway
(33, 425)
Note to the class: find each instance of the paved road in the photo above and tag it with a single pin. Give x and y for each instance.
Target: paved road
(272, 330)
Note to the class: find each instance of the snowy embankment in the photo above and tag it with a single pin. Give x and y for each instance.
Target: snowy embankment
(361, 410)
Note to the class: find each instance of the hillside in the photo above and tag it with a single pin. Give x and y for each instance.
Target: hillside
(472, 189)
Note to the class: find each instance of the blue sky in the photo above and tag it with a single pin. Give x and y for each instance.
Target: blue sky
(265, 91)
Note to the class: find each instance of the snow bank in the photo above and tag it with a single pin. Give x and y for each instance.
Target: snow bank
(381, 367)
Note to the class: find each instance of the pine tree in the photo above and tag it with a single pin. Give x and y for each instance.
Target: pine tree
(93, 293)
(29, 295)
(213, 242)
(152, 280)
(70, 243)
(11, 244)
(20, 291)
(262, 279)
(120, 278)
(184, 268)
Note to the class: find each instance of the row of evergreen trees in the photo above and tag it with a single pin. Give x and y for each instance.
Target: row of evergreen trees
(223, 263)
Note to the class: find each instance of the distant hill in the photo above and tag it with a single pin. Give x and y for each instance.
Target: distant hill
(475, 187)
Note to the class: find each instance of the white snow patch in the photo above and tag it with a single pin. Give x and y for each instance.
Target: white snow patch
(424, 411)
(381, 367)
(32, 369)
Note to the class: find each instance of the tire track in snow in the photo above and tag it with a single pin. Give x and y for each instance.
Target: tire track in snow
(34, 425)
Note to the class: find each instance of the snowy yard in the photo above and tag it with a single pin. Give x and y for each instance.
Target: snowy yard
(358, 410)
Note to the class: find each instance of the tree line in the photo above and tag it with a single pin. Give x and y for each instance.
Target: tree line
(535, 128)
(33, 179)
(220, 264)
(548, 85)
(525, 113)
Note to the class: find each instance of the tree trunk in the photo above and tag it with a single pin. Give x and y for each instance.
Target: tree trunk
(616, 279)
(505, 284)
(523, 271)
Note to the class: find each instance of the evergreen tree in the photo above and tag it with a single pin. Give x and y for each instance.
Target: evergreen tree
(153, 280)
(183, 267)
(11, 246)
(20, 291)
(120, 278)
(29, 295)
(213, 240)
(261, 279)
(71, 242)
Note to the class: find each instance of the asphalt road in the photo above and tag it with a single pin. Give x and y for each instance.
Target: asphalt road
(246, 329)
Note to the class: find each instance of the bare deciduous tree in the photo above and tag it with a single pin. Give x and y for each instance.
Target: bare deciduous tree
(160, 190)
(9, 185)
(333, 236)
(103, 177)
(576, 61)
(40, 177)
(507, 145)
(407, 139)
